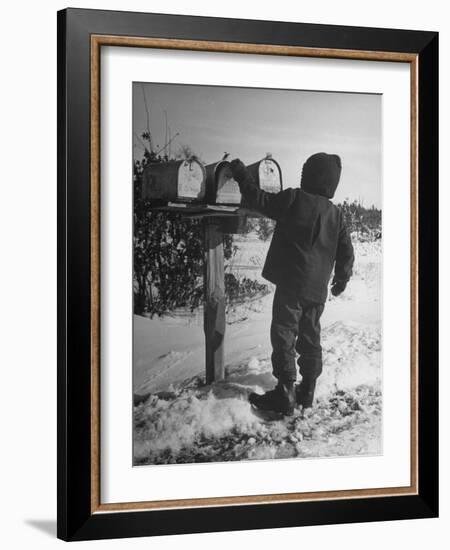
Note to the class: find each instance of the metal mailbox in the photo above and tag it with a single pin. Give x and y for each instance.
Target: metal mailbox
(223, 189)
(181, 180)
(267, 175)
(220, 185)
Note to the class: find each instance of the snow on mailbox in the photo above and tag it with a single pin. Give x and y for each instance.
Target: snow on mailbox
(182, 181)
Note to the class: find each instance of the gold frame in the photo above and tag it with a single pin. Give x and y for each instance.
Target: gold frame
(97, 41)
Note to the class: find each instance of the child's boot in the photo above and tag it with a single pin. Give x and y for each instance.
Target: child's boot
(305, 392)
(281, 399)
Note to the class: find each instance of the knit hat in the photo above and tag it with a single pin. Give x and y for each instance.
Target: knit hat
(320, 174)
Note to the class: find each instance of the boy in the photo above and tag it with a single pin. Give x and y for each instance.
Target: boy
(310, 238)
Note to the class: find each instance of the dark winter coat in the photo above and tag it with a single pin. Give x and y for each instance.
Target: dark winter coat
(310, 238)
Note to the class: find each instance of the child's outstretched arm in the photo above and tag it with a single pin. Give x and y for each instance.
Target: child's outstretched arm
(345, 258)
(272, 205)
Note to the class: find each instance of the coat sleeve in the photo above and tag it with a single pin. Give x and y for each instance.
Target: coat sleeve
(272, 205)
(345, 255)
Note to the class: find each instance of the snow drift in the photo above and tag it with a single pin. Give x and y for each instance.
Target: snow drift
(179, 419)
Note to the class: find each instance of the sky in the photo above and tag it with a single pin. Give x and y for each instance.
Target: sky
(290, 124)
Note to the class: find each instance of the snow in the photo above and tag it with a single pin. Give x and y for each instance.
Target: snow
(179, 419)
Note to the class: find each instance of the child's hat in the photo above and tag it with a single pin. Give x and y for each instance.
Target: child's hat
(320, 174)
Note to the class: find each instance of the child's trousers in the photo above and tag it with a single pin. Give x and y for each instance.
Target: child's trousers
(295, 328)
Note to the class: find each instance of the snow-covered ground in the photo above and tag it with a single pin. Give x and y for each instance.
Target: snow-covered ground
(179, 419)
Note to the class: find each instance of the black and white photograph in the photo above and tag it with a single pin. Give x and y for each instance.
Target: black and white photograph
(222, 309)
(257, 262)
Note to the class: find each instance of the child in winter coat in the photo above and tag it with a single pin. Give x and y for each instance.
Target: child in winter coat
(310, 239)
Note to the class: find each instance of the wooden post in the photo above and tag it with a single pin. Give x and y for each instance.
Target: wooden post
(214, 307)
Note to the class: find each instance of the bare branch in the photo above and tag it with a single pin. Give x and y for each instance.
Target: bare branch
(168, 144)
(165, 138)
(148, 119)
(140, 141)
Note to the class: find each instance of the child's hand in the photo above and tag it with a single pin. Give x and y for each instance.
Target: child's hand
(239, 170)
(338, 287)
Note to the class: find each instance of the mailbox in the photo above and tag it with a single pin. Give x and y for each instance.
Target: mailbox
(267, 175)
(182, 181)
(223, 189)
(220, 185)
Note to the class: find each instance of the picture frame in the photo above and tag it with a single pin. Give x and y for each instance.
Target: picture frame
(81, 36)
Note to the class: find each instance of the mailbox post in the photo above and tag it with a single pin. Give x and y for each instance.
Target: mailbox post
(214, 307)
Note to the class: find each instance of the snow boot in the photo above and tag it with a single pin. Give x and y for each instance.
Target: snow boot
(305, 392)
(281, 399)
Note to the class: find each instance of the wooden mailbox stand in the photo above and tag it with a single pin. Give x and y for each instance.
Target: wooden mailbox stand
(216, 222)
(214, 307)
